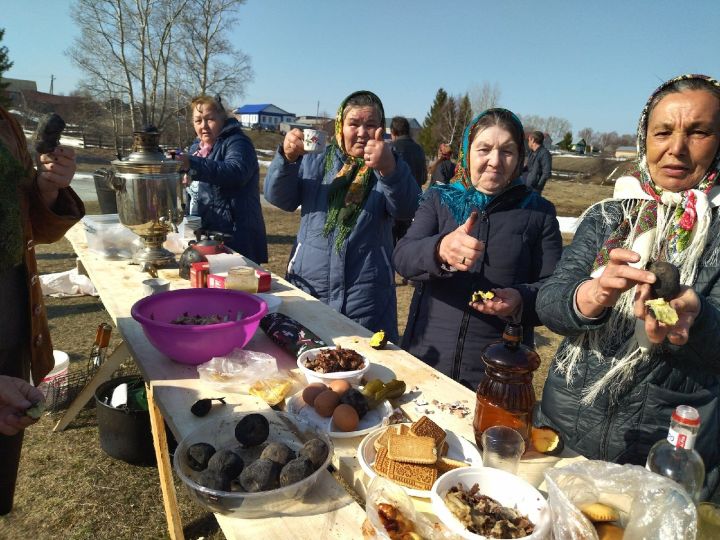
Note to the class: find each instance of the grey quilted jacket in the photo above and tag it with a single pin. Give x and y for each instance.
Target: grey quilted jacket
(624, 430)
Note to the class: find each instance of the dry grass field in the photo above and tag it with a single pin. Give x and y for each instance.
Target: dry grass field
(70, 489)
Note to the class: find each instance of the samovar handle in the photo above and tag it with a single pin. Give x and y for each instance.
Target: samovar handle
(117, 183)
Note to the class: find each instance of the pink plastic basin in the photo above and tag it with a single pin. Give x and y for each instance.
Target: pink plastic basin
(195, 344)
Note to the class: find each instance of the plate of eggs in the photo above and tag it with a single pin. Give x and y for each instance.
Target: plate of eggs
(338, 408)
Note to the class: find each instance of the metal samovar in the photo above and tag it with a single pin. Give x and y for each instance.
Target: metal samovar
(148, 190)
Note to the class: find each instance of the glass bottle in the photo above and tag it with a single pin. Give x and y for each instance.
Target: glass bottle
(505, 395)
(675, 456)
(242, 278)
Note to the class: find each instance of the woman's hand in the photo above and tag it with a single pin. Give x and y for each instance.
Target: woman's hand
(595, 295)
(506, 303)
(293, 146)
(459, 249)
(56, 171)
(16, 396)
(378, 154)
(687, 305)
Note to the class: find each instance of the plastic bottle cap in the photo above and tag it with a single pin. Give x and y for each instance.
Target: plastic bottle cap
(686, 415)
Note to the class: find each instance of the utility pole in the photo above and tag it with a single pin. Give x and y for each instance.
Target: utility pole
(52, 80)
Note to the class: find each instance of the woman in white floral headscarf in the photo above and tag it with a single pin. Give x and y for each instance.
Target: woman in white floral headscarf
(619, 373)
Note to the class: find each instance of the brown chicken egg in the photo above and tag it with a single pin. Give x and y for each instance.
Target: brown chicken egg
(345, 418)
(339, 386)
(325, 403)
(311, 391)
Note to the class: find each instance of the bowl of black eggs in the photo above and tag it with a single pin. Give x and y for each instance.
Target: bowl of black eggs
(254, 464)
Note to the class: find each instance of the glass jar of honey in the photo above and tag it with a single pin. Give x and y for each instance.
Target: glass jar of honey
(242, 278)
(505, 395)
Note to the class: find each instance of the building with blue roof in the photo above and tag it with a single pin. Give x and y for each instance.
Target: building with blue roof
(263, 116)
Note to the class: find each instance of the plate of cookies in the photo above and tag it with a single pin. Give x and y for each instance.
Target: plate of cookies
(415, 455)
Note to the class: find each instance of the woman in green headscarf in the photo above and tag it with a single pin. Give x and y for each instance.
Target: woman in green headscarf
(350, 193)
(483, 231)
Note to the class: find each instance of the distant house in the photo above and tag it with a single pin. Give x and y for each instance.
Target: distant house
(263, 116)
(626, 152)
(15, 89)
(579, 147)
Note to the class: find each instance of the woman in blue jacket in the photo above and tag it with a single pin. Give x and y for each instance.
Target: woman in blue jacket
(350, 195)
(483, 231)
(225, 187)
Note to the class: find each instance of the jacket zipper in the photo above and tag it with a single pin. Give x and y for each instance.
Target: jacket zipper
(457, 361)
(606, 431)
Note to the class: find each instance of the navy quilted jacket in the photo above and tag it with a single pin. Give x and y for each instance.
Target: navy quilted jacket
(522, 247)
(624, 431)
(229, 191)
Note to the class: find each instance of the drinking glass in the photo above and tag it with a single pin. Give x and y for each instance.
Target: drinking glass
(501, 448)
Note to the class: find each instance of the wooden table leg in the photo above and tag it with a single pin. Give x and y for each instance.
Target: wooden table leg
(104, 373)
(164, 468)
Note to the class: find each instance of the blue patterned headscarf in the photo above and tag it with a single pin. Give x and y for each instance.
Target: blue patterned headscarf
(459, 195)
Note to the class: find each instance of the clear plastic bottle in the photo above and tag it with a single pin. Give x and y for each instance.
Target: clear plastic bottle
(675, 457)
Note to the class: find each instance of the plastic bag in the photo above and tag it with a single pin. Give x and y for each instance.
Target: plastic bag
(238, 370)
(383, 491)
(649, 505)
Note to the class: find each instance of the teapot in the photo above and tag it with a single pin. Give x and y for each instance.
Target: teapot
(204, 244)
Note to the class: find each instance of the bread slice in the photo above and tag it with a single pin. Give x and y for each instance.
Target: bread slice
(412, 449)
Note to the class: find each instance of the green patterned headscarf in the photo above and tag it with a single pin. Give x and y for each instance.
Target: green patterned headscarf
(352, 184)
(11, 171)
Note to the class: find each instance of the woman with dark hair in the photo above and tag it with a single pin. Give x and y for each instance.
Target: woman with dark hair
(483, 231)
(223, 179)
(619, 373)
(350, 196)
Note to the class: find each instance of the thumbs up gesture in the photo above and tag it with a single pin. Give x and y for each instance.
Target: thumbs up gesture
(459, 248)
(378, 154)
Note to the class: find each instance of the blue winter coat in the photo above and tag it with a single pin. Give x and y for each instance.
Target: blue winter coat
(359, 280)
(229, 191)
(522, 246)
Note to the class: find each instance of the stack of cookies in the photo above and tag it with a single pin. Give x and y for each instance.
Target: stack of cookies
(414, 456)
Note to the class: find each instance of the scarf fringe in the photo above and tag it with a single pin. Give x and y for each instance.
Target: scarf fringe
(622, 331)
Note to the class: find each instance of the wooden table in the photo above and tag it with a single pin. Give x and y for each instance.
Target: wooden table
(173, 388)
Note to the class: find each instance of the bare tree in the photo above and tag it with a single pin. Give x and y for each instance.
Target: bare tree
(211, 64)
(552, 125)
(485, 96)
(157, 53)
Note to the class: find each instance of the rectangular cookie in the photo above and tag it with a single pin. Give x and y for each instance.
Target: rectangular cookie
(382, 463)
(445, 464)
(412, 475)
(412, 449)
(425, 427)
(381, 441)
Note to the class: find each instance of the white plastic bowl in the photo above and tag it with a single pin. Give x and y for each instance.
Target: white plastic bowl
(220, 432)
(507, 489)
(353, 377)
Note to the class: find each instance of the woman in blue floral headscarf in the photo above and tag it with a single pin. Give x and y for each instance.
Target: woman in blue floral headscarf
(483, 231)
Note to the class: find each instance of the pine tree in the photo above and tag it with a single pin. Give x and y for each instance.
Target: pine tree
(566, 143)
(5, 64)
(464, 115)
(428, 138)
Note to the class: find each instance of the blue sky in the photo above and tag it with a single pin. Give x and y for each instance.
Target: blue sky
(593, 63)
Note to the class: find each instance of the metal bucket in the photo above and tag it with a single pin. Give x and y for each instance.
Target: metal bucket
(125, 434)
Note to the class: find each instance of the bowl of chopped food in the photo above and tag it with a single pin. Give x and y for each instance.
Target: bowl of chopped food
(191, 326)
(326, 364)
(482, 502)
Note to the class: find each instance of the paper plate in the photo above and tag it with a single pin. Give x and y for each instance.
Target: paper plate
(459, 449)
(368, 423)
